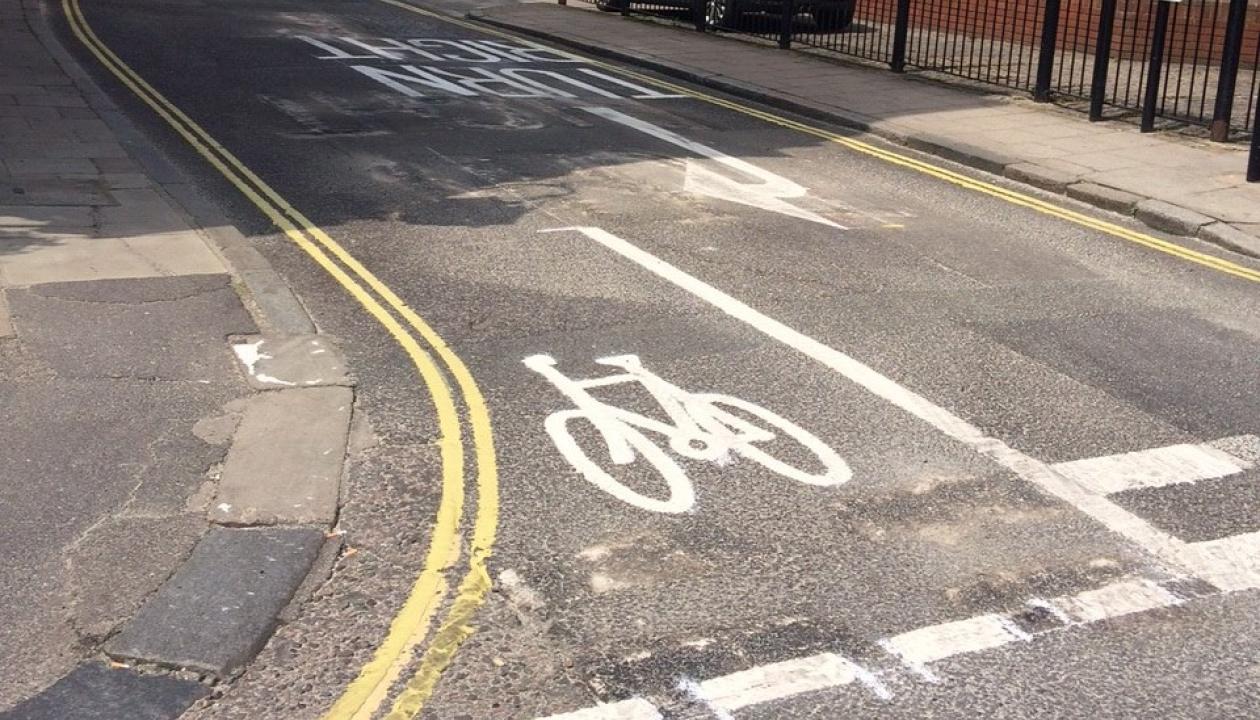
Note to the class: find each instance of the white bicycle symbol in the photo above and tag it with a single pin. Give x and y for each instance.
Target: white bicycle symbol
(702, 429)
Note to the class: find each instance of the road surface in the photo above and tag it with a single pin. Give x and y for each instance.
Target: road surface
(875, 437)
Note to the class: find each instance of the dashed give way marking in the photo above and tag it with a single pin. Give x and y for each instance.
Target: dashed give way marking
(914, 650)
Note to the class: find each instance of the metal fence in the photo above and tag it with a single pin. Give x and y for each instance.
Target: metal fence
(1195, 61)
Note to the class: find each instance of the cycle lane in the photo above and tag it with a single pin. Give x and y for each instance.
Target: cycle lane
(954, 534)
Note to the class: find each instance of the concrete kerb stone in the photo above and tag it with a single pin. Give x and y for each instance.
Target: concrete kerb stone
(299, 486)
(1040, 176)
(1104, 197)
(222, 604)
(1225, 235)
(94, 691)
(1181, 221)
(1171, 218)
(257, 572)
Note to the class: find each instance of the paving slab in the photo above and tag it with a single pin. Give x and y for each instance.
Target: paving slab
(37, 216)
(80, 257)
(53, 191)
(300, 485)
(145, 328)
(222, 604)
(94, 691)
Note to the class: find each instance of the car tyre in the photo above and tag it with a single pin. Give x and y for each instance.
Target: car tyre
(834, 18)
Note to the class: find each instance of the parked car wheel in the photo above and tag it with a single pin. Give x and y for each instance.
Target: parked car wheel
(834, 17)
(723, 13)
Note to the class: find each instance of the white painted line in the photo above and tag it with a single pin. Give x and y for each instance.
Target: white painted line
(1167, 548)
(915, 649)
(768, 193)
(920, 647)
(632, 709)
(693, 690)
(1230, 563)
(1115, 600)
(1156, 467)
(784, 679)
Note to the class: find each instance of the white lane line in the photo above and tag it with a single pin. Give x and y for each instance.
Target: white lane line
(918, 648)
(632, 709)
(1156, 467)
(1163, 546)
(785, 679)
(1115, 600)
(768, 193)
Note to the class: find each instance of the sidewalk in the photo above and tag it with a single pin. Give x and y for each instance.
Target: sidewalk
(157, 507)
(1173, 183)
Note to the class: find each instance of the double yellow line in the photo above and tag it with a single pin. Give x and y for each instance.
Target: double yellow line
(364, 696)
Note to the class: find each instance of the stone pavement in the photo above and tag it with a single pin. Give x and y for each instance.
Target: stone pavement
(1173, 183)
(128, 415)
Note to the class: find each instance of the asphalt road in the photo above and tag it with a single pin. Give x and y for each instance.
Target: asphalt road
(872, 379)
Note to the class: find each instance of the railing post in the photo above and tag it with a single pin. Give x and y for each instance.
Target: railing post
(785, 28)
(1253, 160)
(1230, 54)
(1102, 59)
(1049, 42)
(900, 32)
(699, 14)
(1156, 66)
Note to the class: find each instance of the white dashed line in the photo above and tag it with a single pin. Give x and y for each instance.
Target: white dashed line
(915, 650)
(1156, 467)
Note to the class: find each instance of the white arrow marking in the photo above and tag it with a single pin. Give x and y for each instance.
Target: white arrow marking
(766, 194)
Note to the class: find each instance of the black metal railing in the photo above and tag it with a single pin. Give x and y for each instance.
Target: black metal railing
(1195, 61)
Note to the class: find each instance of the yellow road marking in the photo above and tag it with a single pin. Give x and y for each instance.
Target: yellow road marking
(410, 625)
(1012, 196)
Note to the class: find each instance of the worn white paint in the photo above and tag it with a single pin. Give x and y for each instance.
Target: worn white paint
(699, 428)
(914, 650)
(534, 77)
(1175, 553)
(769, 192)
(692, 689)
(1156, 467)
(779, 680)
(250, 353)
(1115, 600)
(438, 50)
(921, 647)
(474, 81)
